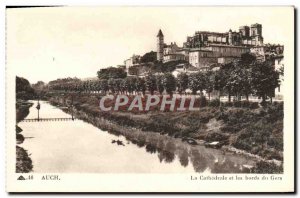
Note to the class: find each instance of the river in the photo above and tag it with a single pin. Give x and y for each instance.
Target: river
(79, 147)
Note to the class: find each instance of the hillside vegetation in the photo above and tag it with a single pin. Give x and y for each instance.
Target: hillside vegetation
(257, 130)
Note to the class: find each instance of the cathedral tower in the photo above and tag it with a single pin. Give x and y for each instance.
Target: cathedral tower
(256, 33)
(230, 41)
(160, 45)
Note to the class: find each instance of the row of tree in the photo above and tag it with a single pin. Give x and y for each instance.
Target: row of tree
(239, 78)
(23, 89)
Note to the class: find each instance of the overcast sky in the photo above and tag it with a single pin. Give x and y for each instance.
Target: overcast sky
(50, 43)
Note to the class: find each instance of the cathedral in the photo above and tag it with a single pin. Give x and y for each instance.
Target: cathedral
(206, 48)
(246, 36)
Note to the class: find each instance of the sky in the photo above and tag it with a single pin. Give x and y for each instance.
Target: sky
(58, 42)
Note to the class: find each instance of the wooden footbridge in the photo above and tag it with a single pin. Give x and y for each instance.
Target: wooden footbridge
(47, 119)
(38, 119)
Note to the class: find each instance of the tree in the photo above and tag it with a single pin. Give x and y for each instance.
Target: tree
(169, 83)
(197, 82)
(85, 86)
(94, 85)
(159, 83)
(40, 88)
(193, 83)
(141, 86)
(124, 85)
(182, 82)
(134, 84)
(40, 85)
(133, 70)
(150, 82)
(104, 85)
(264, 79)
(218, 82)
(111, 72)
(224, 82)
(240, 80)
(167, 66)
(247, 59)
(118, 85)
(112, 85)
(130, 84)
(148, 57)
(209, 81)
(24, 89)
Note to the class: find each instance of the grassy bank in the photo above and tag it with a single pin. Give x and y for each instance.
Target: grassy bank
(255, 130)
(23, 163)
(22, 109)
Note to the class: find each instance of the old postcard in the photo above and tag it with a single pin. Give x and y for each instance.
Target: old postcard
(150, 99)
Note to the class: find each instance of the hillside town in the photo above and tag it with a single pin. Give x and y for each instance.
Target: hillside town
(206, 51)
(218, 90)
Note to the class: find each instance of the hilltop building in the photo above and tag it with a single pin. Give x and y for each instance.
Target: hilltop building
(132, 61)
(205, 48)
(246, 36)
(160, 45)
(172, 52)
(209, 48)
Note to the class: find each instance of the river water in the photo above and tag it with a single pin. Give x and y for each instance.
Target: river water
(79, 147)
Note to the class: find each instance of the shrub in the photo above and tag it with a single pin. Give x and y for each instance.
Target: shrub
(229, 129)
(18, 129)
(265, 167)
(237, 103)
(265, 104)
(245, 104)
(244, 145)
(253, 105)
(216, 137)
(228, 104)
(214, 103)
(203, 101)
(278, 105)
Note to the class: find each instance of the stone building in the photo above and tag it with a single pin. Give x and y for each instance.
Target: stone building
(160, 45)
(267, 51)
(206, 48)
(247, 36)
(132, 61)
(215, 53)
(201, 58)
(172, 52)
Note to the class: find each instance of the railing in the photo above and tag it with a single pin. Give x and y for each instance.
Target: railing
(47, 119)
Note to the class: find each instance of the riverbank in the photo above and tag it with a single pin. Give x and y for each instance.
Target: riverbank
(23, 161)
(252, 131)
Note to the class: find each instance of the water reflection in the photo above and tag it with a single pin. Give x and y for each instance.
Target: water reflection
(202, 159)
(184, 157)
(228, 166)
(150, 148)
(199, 161)
(166, 156)
(128, 147)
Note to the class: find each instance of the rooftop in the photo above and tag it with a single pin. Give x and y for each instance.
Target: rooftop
(160, 33)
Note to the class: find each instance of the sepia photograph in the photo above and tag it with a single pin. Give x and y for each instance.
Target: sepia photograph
(204, 92)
